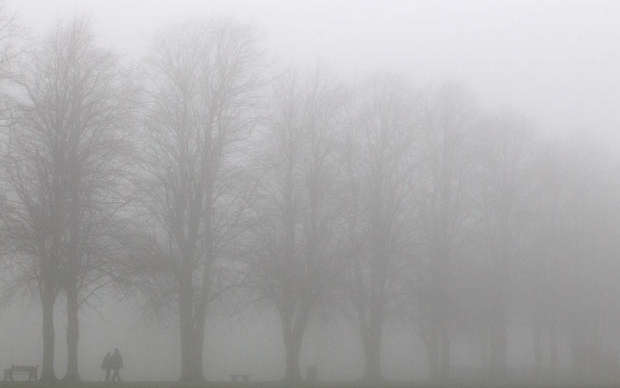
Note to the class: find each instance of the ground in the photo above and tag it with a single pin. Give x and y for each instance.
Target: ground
(170, 384)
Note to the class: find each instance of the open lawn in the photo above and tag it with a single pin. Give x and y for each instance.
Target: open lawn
(420, 384)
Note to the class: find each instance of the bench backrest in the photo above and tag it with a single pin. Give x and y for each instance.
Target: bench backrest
(23, 368)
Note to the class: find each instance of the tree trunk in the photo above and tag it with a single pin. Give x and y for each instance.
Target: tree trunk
(292, 348)
(48, 298)
(191, 357)
(498, 346)
(431, 342)
(445, 351)
(372, 332)
(191, 339)
(73, 335)
(438, 351)
(372, 353)
(553, 350)
(538, 355)
(484, 346)
(497, 324)
(294, 324)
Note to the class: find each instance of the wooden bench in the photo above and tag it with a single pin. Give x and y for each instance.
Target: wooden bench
(240, 377)
(31, 371)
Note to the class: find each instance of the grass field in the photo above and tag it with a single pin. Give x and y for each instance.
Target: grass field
(420, 384)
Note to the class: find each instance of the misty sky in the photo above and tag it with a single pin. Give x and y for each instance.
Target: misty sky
(557, 62)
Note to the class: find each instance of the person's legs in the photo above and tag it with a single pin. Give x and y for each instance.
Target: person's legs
(107, 375)
(115, 376)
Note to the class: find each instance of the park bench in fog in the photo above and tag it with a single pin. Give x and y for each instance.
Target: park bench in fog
(240, 377)
(31, 371)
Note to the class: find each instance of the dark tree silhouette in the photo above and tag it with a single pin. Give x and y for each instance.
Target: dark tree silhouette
(296, 259)
(203, 83)
(63, 166)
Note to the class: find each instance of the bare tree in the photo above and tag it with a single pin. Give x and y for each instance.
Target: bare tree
(505, 213)
(379, 165)
(64, 168)
(448, 143)
(570, 298)
(544, 271)
(296, 259)
(204, 83)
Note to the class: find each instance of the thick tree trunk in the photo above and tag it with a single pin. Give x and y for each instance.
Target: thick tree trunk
(538, 354)
(440, 311)
(292, 348)
(432, 349)
(553, 350)
(445, 351)
(498, 320)
(48, 299)
(438, 352)
(191, 357)
(371, 330)
(73, 335)
(192, 338)
(294, 323)
(498, 347)
(372, 354)
(484, 346)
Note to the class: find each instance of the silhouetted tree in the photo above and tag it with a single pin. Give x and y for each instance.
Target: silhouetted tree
(296, 260)
(571, 277)
(448, 142)
(203, 84)
(63, 167)
(379, 164)
(506, 217)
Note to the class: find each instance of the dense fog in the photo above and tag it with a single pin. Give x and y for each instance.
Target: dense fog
(331, 190)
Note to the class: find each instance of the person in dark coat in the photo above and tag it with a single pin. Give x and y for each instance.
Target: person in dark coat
(116, 363)
(105, 365)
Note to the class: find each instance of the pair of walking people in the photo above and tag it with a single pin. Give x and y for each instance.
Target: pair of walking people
(112, 362)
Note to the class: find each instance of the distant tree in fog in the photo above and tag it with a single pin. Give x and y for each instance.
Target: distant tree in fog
(296, 257)
(203, 80)
(545, 271)
(505, 216)
(379, 163)
(574, 271)
(449, 139)
(64, 169)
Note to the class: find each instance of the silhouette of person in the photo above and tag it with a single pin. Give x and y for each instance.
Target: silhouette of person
(105, 365)
(116, 363)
